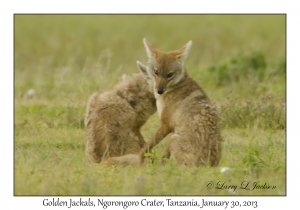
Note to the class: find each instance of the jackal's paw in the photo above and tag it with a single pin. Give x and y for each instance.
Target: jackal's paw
(106, 162)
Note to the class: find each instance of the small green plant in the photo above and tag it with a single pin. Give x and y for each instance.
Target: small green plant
(252, 160)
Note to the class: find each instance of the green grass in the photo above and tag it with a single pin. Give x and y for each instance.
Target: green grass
(239, 60)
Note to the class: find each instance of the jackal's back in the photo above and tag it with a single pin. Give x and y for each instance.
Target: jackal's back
(114, 118)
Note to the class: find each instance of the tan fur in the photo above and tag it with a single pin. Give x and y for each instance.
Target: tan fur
(125, 160)
(114, 118)
(184, 109)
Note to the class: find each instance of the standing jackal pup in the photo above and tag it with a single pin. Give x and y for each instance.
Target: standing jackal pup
(184, 110)
(114, 118)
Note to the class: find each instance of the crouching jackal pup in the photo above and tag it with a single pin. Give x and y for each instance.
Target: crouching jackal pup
(114, 118)
(184, 110)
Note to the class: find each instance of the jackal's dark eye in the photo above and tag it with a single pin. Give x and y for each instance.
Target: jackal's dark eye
(170, 75)
(155, 71)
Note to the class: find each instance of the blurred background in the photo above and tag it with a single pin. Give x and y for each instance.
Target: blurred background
(61, 54)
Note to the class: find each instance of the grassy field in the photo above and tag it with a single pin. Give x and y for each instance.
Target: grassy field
(239, 60)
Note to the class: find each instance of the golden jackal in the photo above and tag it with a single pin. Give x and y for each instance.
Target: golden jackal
(184, 110)
(114, 118)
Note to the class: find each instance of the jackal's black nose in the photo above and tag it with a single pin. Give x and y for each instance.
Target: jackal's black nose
(160, 91)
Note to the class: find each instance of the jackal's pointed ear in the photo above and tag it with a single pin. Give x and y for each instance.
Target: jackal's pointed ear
(184, 51)
(142, 68)
(150, 50)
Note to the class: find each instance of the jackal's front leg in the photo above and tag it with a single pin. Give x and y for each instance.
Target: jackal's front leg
(141, 138)
(160, 134)
(167, 151)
